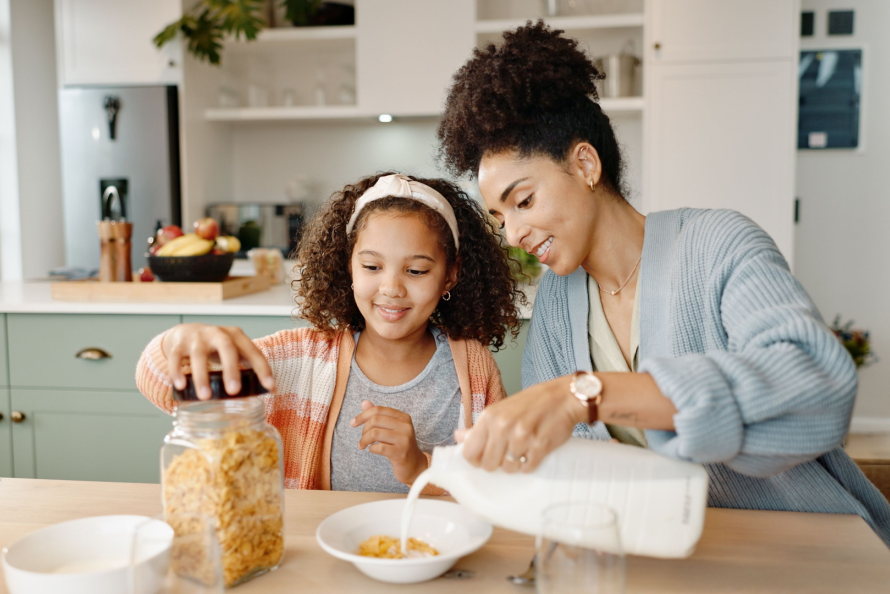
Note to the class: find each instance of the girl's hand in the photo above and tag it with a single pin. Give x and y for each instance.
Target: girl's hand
(200, 342)
(393, 432)
(531, 423)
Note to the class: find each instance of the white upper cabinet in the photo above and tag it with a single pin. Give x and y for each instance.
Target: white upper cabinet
(722, 136)
(407, 52)
(721, 109)
(716, 30)
(109, 42)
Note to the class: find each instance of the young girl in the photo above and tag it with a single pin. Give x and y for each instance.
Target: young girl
(406, 284)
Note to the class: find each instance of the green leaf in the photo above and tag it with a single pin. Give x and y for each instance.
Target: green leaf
(204, 38)
(241, 17)
(169, 32)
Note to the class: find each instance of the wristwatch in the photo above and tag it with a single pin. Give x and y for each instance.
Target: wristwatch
(588, 388)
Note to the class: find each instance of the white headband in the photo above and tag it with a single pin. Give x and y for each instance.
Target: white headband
(399, 186)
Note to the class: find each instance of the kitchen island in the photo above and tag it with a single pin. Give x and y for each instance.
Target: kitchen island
(740, 550)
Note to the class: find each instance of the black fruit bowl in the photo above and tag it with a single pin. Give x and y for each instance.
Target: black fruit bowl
(209, 268)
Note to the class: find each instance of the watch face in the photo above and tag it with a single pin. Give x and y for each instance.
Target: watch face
(588, 385)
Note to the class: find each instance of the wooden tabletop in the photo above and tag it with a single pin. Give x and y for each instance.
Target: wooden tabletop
(740, 550)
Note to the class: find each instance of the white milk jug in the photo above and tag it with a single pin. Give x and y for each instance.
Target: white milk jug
(660, 502)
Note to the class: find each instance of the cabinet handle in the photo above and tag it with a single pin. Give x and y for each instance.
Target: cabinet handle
(657, 46)
(17, 416)
(1, 416)
(93, 354)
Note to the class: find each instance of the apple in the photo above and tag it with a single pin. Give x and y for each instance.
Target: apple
(145, 275)
(164, 235)
(207, 228)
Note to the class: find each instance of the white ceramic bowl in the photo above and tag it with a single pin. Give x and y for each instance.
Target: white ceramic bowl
(448, 527)
(90, 556)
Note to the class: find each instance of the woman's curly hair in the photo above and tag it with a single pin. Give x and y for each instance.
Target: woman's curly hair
(534, 94)
(483, 304)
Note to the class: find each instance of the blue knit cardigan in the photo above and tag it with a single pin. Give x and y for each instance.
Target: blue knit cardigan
(763, 388)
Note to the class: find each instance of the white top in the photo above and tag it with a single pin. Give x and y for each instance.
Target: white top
(607, 355)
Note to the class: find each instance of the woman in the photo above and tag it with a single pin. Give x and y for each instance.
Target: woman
(734, 367)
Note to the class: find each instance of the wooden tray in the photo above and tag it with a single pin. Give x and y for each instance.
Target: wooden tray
(93, 290)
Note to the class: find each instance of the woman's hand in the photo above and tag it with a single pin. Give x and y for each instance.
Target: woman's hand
(390, 433)
(531, 423)
(199, 343)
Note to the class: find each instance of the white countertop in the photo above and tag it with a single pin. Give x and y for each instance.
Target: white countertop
(35, 297)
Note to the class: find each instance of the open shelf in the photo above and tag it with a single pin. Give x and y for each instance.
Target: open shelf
(622, 104)
(293, 34)
(569, 23)
(273, 114)
(352, 112)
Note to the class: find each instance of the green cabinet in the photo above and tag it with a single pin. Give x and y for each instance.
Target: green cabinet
(253, 326)
(48, 349)
(87, 435)
(5, 434)
(509, 360)
(4, 377)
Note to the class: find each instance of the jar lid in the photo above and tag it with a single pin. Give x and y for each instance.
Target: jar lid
(250, 386)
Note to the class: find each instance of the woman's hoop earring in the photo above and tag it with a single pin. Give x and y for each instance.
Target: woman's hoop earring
(352, 286)
(446, 296)
(592, 186)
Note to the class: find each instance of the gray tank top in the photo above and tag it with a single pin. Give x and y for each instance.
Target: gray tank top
(433, 401)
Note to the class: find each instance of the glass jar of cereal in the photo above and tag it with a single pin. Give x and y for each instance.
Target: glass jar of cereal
(224, 462)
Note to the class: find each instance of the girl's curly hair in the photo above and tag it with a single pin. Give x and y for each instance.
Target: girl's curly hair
(534, 94)
(483, 304)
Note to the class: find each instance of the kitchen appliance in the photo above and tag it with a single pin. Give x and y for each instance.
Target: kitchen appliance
(123, 138)
(620, 72)
(264, 225)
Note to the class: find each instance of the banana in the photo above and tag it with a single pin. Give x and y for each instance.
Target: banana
(196, 248)
(227, 243)
(186, 245)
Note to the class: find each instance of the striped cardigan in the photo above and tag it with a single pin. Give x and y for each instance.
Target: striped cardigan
(310, 374)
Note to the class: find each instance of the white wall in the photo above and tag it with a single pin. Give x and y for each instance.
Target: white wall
(842, 245)
(30, 172)
(266, 156)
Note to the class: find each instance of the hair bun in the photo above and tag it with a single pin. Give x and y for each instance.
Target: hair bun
(537, 69)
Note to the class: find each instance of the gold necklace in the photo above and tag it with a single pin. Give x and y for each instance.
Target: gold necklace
(615, 292)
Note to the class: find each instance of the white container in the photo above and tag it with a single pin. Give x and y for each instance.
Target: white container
(660, 502)
(89, 556)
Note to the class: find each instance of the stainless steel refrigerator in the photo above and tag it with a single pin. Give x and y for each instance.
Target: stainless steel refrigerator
(122, 141)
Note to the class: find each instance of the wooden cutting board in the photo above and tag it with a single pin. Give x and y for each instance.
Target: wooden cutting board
(93, 290)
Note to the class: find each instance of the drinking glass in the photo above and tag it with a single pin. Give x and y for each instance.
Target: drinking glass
(579, 550)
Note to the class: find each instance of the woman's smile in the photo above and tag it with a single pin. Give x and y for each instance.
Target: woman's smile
(542, 250)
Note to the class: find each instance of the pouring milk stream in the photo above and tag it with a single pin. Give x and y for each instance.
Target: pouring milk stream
(660, 503)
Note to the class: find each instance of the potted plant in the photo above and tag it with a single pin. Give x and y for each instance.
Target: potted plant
(856, 341)
(209, 21)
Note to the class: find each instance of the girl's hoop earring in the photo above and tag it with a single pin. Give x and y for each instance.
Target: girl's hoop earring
(446, 296)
